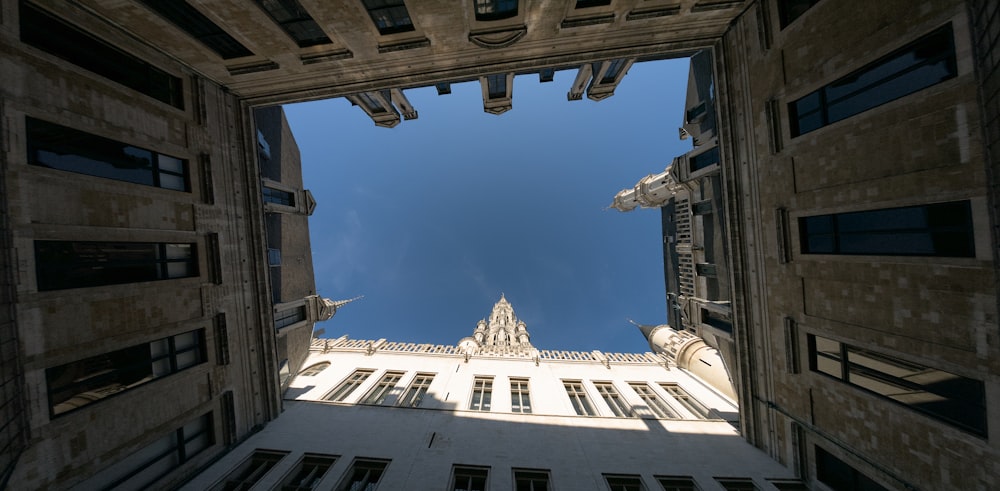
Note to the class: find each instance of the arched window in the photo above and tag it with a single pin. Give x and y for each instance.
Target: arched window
(314, 369)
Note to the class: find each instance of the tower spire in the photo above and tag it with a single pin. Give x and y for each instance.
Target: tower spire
(329, 307)
(502, 328)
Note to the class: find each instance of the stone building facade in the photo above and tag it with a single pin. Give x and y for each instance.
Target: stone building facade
(862, 353)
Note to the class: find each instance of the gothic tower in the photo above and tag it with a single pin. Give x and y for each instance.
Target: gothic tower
(503, 330)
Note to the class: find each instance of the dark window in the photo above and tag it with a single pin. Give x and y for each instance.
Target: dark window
(705, 159)
(582, 4)
(443, 88)
(495, 9)
(86, 381)
(469, 479)
(349, 385)
(951, 398)
(675, 483)
(274, 257)
(308, 472)
(60, 39)
(193, 22)
(142, 468)
(918, 65)
(250, 471)
(546, 75)
(730, 484)
(840, 476)
(60, 265)
(288, 317)
(938, 229)
(364, 475)
(716, 320)
(279, 197)
(789, 10)
(221, 339)
(296, 21)
(58, 147)
(706, 269)
(613, 70)
(625, 483)
(531, 480)
(389, 16)
(496, 86)
(697, 113)
(228, 404)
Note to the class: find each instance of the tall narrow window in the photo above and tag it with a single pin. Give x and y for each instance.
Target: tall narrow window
(197, 25)
(64, 264)
(482, 393)
(487, 10)
(307, 473)
(415, 392)
(278, 197)
(89, 380)
(520, 400)
(937, 229)
(951, 398)
(349, 385)
(55, 37)
(624, 483)
(653, 401)
(290, 316)
(251, 470)
(364, 475)
(531, 480)
(613, 399)
(389, 16)
(466, 478)
(923, 63)
(689, 403)
(840, 476)
(497, 85)
(378, 394)
(59, 147)
(578, 398)
(315, 369)
(295, 21)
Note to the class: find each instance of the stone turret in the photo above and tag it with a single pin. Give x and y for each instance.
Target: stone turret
(690, 353)
(502, 329)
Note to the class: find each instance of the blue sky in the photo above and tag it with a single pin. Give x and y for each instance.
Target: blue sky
(433, 219)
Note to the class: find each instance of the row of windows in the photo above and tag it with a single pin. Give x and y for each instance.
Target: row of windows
(950, 398)
(90, 380)
(482, 394)
(366, 473)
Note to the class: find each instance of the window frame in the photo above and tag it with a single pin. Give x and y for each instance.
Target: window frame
(110, 263)
(348, 385)
(469, 473)
(297, 17)
(491, 10)
(613, 399)
(378, 393)
(684, 398)
(367, 465)
(653, 400)
(624, 482)
(251, 469)
(414, 394)
(520, 397)
(394, 22)
(310, 469)
(578, 398)
(482, 394)
(314, 369)
(187, 18)
(531, 476)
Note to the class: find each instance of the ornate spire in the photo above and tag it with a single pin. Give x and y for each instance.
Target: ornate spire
(502, 328)
(329, 307)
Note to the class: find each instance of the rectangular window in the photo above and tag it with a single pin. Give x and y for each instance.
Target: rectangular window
(142, 468)
(613, 70)
(288, 317)
(578, 398)
(624, 483)
(251, 470)
(378, 394)
(364, 475)
(86, 381)
(308, 472)
(496, 85)
(951, 398)
(610, 395)
(531, 480)
(482, 393)
(295, 21)
(546, 75)
(689, 403)
(716, 320)
(228, 405)
(349, 385)
(789, 10)
(469, 478)
(840, 476)
(414, 394)
(221, 339)
(736, 484)
(279, 197)
(937, 229)
(389, 16)
(57, 38)
(677, 483)
(197, 25)
(704, 160)
(923, 63)
(487, 10)
(62, 148)
(520, 400)
(653, 401)
(273, 257)
(66, 264)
